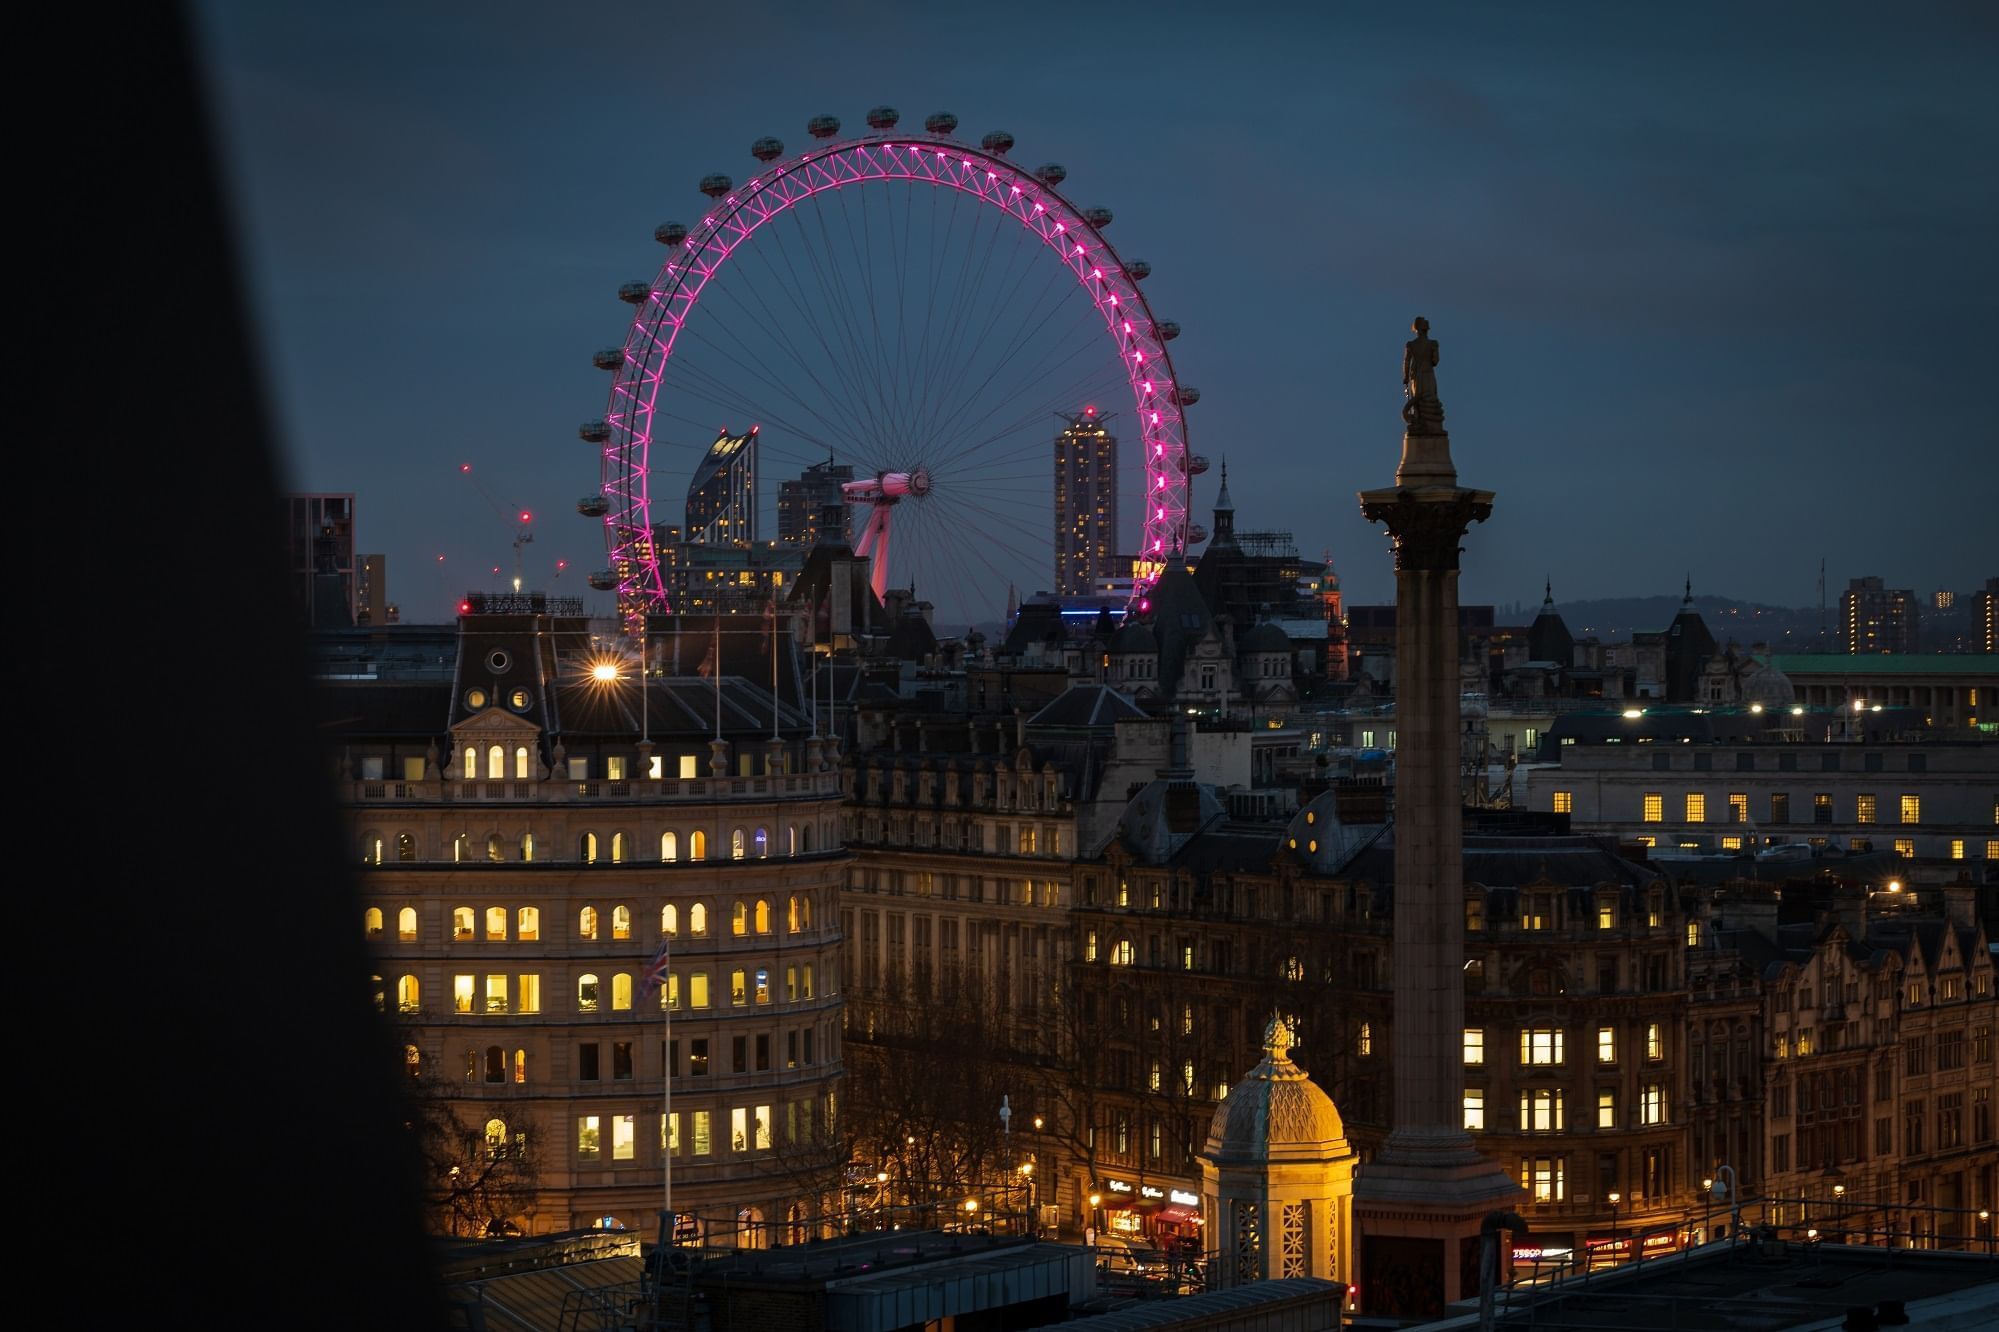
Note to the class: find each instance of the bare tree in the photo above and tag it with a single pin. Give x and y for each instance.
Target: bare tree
(482, 1175)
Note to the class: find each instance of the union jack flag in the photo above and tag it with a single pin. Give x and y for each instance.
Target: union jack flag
(654, 975)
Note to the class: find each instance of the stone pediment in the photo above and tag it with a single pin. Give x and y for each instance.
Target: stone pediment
(496, 725)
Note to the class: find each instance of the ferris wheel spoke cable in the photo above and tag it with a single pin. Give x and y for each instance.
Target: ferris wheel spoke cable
(811, 317)
(833, 280)
(937, 399)
(776, 327)
(1095, 376)
(928, 347)
(1005, 303)
(1029, 328)
(864, 267)
(704, 387)
(964, 517)
(966, 349)
(749, 369)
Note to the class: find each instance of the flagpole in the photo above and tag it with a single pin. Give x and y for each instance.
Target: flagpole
(666, 1081)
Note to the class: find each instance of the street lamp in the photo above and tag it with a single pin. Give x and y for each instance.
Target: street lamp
(1027, 1178)
(1707, 1208)
(1985, 1219)
(1090, 1237)
(1615, 1198)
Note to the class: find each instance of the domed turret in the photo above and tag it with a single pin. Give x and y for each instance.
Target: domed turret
(883, 117)
(594, 432)
(1276, 1111)
(634, 293)
(593, 506)
(998, 143)
(940, 122)
(767, 149)
(669, 233)
(1051, 173)
(609, 358)
(1167, 330)
(1139, 270)
(717, 185)
(823, 127)
(1097, 217)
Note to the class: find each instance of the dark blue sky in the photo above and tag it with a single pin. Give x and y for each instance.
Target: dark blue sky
(1714, 283)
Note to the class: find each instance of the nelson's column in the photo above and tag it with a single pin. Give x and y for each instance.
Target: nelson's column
(1419, 1203)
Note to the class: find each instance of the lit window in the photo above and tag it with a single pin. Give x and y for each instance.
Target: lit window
(1090, 946)
(1565, 802)
(1905, 848)
(1542, 1111)
(1606, 913)
(738, 990)
(697, 919)
(622, 1137)
(461, 994)
(1655, 807)
(1543, 1177)
(1652, 1107)
(1738, 808)
(461, 923)
(496, 994)
(1366, 1041)
(1606, 1109)
(1474, 912)
(1474, 1045)
(529, 987)
(1863, 809)
(1475, 1109)
(689, 767)
(1655, 1041)
(586, 993)
(586, 923)
(621, 992)
(697, 990)
(1693, 934)
(1541, 1045)
(1957, 848)
(406, 924)
(1696, 807)
(669, 847)
(1912, 809)
(587, 1129)
(737, 844)
(496, 923)
(407, 995)
(1606, 1045)
(697, 845)
(1122, 953)
(371, 921)
(739, 918)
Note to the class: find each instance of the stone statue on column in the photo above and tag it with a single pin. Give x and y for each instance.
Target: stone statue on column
(1422, 413)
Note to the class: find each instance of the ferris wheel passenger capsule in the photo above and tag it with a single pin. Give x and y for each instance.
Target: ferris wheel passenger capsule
(823, 127)
(941, 122)
(767, 148)
(998, 143)
(883, 117)
(603, 580)
(1097, 217)
(1139, 270)
(594, 432)
(593, 506)
(1196, 464)
(1196, 534)
(717, 185)
(1051, 173)
(1167, 330)
(609, 358)
(669, 233)
(634, 293)
(1186, 395)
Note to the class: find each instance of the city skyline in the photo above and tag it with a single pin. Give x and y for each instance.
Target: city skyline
(1670, 277)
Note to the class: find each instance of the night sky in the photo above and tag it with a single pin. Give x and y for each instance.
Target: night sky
(1714, 284)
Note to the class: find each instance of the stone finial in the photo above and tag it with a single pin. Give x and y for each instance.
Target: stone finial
(1278, 1037)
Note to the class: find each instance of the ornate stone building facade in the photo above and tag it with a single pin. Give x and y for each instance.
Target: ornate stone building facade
(531, 830)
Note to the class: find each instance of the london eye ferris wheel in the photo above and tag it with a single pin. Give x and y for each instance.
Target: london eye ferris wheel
(921, 311)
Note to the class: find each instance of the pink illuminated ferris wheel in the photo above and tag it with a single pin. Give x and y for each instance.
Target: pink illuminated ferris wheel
(911, 320)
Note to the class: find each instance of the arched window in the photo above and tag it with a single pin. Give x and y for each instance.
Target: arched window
(763, 915)
(493, 851)
(669, 846)
(805, 839)
(805, 911)
(697, 920)
(496, 762)
(586, 993)
(405, 847)
(617, 848)
(412, 1061)
(371, 850)
(1122, 953)
(462, 923)
(371, 920)
(739, 918)
(496, 923)
(471, 762)
(739, 990)
(471, 1064)
(791, 914)
(496, 1138)
(621, 922)
(521, 763)
(520, 1066)
(461, 848)
(586, 923)
(496, 1063)
(669, 920)
(406, 924)
(697, 845)
(761, 841)
(588, 848)
(791, 839)
(527, 924)
(409, 996)
(527, 846)
(621, 992)
(736, 846)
